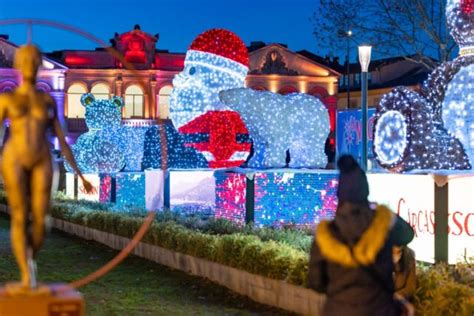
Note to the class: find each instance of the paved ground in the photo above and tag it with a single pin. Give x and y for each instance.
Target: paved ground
(136, 287)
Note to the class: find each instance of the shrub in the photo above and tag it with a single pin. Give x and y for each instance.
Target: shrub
(441, 291)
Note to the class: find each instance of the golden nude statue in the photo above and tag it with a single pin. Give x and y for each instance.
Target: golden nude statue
(26, 161)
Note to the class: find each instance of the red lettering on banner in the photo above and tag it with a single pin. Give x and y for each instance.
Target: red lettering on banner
(423, 221)
(418, 219)
(457, 223)
(432, 222)
(466, 224)
(399, 205)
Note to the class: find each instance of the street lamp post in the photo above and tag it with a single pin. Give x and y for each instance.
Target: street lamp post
(364, 60)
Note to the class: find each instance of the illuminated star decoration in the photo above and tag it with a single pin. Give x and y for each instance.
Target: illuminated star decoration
(439, 120)
(295, 122)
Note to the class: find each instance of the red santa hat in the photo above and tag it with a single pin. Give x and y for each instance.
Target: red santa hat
(219, 48)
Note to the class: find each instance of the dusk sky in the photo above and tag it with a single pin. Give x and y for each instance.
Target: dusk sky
(177, 21)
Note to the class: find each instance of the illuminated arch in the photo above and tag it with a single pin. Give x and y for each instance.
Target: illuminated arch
(43, 86)
(134, 101)
(101, 91)
(74, 93)
(319, 92)
(7, 85)
(287, 90)
(164, 101)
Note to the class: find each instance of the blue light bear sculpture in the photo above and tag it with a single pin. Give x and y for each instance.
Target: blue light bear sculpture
(99, 150)
(110, 147)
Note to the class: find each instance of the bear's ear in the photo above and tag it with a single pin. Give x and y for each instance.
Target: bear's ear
(117, 101)
(87, 99)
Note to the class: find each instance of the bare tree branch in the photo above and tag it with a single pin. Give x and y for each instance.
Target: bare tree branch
(415, 29)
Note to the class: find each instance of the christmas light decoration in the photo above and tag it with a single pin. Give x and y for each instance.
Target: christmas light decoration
(439, 123)
(220, 136)
(178, 156)
(458, 109)
(460, 20)
(281, 198)
(294, 198)
(230, 196)
(295, 122)
(130, 189)
(99, 149)
(216, 60)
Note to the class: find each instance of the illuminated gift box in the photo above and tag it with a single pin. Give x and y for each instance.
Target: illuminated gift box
(276, 198)
(140, 189)
(294, 197)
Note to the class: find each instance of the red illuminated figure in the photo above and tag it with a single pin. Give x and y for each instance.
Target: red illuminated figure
(467, 6)
(221, 136)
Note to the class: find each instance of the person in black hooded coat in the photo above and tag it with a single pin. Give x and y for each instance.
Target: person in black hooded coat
(351, 257)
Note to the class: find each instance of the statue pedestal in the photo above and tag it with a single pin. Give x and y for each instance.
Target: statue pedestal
(59, 300)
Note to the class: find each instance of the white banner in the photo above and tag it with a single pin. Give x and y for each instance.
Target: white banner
(411, 197)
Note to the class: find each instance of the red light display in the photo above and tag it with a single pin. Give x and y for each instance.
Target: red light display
(467, 6)
(223, 129)
(223, 43)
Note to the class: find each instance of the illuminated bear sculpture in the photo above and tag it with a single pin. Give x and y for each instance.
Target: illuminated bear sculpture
(433, 129)
(296, 122)
(99, 150)
(216, 60)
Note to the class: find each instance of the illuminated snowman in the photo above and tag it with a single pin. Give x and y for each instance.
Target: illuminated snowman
(217, 60)
(458, 104)
(433, 129)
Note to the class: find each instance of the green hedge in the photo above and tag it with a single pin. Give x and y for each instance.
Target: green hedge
(270, 258)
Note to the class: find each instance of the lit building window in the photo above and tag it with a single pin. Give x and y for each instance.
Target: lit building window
(74, 107)
(101, 91)
(134, 102)
(164, 102)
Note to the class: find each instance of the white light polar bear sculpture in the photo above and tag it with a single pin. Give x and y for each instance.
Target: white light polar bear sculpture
(296, 122)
